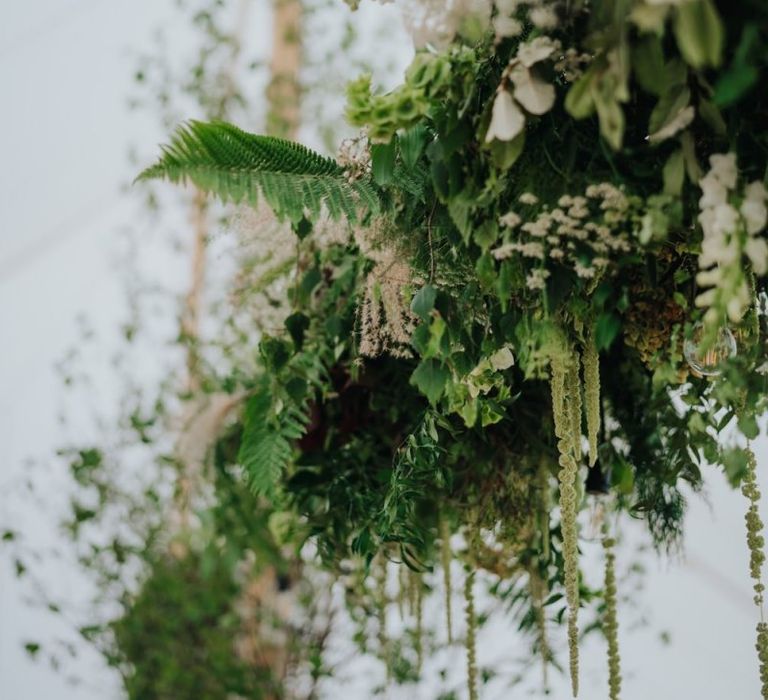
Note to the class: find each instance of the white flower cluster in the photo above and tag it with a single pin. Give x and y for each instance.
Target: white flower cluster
(731, 222)
(541, 13)
(521, 86)
(582, 233)
(436, 22)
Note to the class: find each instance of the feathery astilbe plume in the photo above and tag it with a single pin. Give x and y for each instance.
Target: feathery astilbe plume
(756, 542)
(446, 556)
(591, 362)
(562, 388)
(384, 316)
(611, 621)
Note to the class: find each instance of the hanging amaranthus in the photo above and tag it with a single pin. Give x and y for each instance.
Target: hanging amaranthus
(542, 486)
(591, 362)
(611, 622)
(573, 389)
(446, 557)
(469, 598)
(402, 586)
(381, 611)
(565, 388)
(538, 589)
(411, 592)
(419, 641)
(756, 541)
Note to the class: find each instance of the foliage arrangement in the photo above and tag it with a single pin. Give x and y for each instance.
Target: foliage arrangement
(546, 261)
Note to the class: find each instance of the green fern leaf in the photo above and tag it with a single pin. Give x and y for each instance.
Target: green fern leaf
(295, 181)
(266, 447)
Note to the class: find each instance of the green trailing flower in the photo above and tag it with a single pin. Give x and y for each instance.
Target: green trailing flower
(565, 391)
(762, 655)
(756, 542)
(471, 641)
(538, 590)
(382, 603)
(495, 242)
(591, 362)
(573, 389)
(419, 636)
(446, 556)
(611, 622)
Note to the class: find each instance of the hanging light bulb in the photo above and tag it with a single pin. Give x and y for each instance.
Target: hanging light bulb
(706, 362)
(597, 486)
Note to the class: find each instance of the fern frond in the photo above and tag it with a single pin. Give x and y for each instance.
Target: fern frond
(295, 181)
(266, 447)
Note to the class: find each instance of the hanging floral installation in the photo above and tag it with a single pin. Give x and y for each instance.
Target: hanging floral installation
(547, 265)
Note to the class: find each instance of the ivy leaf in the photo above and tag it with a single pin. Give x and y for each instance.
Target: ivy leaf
(734, 461)
(699, 33)
(424, 301)
(274, 352)
(297, 325)
(505, 153)
(735, 82)
(674, 173)
(302, 228)
(32, 648)
(578, 102)
(748, 426)
(606, 329)
(430, 378)
(648, 64)
(311, 279)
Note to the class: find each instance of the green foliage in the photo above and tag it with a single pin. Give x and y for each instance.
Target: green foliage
(295, 181)
(429, 368)
(175, 638)
(266, 448)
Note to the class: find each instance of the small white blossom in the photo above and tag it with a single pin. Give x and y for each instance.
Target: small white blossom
(537, 279)
(528, 198)
(538, 49)
(584, 271)
(713, 192)
(757, 252)
(505, 26)
(543, 17)
(510, 220)
(753, 207)
(723, 167)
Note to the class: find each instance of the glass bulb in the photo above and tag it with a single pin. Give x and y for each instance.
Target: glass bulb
(595, 517)
(707, 362)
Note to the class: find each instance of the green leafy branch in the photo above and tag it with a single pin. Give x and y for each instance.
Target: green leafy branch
(295, 181)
